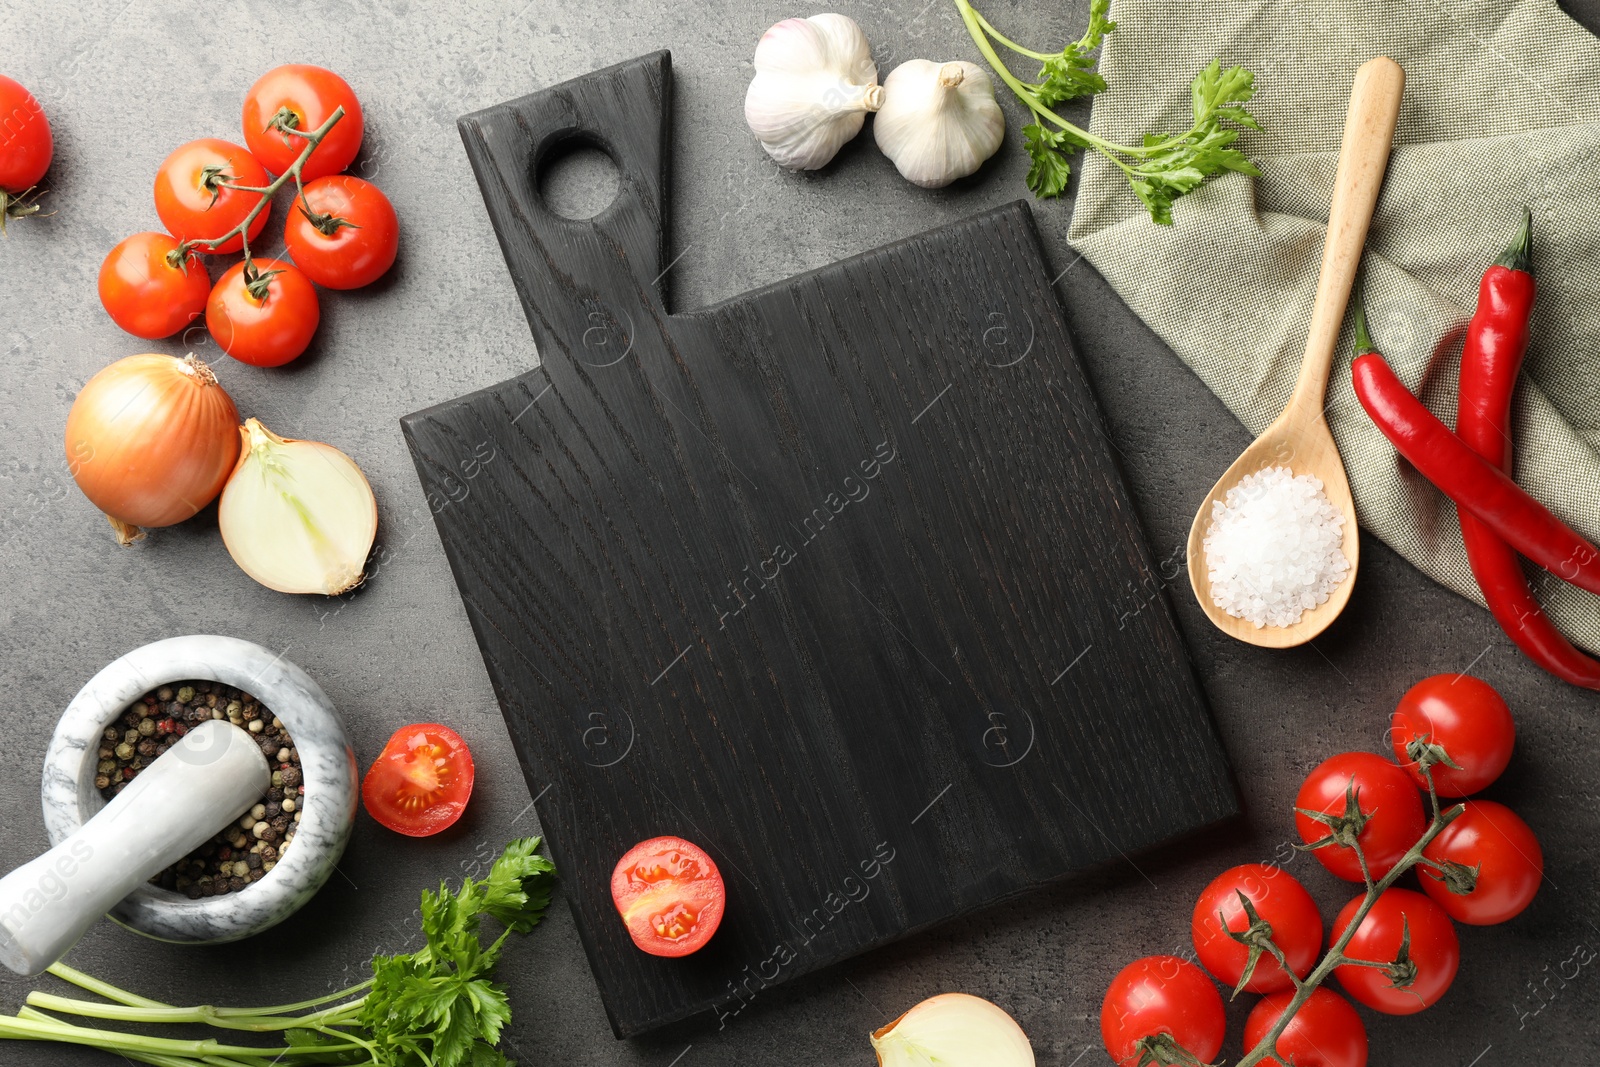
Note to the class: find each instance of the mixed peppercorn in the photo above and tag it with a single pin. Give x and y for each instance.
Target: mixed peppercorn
(245, 850)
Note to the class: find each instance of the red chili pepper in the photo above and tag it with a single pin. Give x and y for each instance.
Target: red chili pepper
(1471, 481)
(1497, 340)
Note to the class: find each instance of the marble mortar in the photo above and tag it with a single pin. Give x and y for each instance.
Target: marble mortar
(327, 762)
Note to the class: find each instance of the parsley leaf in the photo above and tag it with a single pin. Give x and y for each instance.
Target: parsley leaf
(1174, 166)
(519, 886)
(1048, 175)
(1071, 73)
(1160, 169)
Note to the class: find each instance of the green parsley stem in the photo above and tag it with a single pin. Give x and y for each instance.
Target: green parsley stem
(1003, 39)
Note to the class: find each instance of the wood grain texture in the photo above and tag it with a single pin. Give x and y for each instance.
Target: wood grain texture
(831, 578)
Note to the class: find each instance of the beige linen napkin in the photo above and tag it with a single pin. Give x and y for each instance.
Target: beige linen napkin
(1502, 109)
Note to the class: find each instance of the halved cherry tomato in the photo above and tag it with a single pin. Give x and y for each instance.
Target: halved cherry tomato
(266, 319)
(1385, 794)
(1490, 839)
(307, 96)
(1430, 960)
(193, 196)
(1281, 902)
(1462, 715)
(25, 142)
(421, 782)
(350, 237)
(1159, 1002)
(145, 293)
(670, 894)
(1325, 1032)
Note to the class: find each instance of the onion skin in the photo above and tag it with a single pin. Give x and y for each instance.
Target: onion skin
(151, 440)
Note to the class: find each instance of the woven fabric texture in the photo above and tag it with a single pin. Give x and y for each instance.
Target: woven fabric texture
(1501, 109)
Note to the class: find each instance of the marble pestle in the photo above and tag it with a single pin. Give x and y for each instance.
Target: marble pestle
(209, 778)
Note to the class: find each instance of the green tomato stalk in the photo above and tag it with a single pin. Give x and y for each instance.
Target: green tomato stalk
(435, 1006)
(1160, 169)
(216, 181)
(1344, 830)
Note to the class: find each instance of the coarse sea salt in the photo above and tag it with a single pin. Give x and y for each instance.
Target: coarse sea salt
(1274, 548)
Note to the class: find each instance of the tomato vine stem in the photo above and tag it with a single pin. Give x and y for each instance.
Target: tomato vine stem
(1266, 1048)
(242, 230)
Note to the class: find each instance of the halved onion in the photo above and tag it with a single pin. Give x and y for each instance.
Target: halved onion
(953, 1030)
(151, 440)
(297, 516)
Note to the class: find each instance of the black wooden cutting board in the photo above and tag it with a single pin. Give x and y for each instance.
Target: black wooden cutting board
(836, 578)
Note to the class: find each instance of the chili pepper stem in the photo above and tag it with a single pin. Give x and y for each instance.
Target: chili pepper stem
(1364, 343)
(1519, 255)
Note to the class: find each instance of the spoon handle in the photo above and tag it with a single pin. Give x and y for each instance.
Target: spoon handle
(1363, 156)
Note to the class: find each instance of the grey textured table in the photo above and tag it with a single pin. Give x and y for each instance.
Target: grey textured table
(124, 83)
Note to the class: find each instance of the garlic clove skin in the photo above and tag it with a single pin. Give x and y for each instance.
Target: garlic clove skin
(953, 1030)
(815, 83)
(939, 121)
(297, 516)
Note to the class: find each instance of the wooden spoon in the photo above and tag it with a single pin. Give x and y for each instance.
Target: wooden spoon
(1299, 439)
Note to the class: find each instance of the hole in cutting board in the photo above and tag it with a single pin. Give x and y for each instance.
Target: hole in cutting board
(578, 179)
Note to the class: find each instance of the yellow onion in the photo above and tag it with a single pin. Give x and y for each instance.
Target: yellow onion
(953, 1030)
(151, 440)
(297, 516)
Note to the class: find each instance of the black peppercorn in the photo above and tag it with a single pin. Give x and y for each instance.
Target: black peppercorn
(156, 722)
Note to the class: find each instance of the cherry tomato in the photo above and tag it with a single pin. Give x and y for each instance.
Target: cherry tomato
(1385, 794)
(1161, 995)
(308, 96)
(1325, 1032)
(193, 198)
(1491, 838)
(421, 782)
(145, 293)
(1433, 956)
(25, 142)
(267, 321)
(1281, 902)
(1465, 717)
(349, 238)
(669, 894)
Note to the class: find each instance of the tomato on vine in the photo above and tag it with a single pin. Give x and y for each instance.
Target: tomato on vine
(1158, 1005)
(1359, 797)
(197, 195)
(343, 233)
(263, 312)
(1324, 1032)
(151, 287)
(27, 150)
(300, 97)
(1413, 941)
(1239, 911)
(1487, 865)
(1460, 725)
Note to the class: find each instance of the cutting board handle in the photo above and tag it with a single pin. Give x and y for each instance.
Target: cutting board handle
(600, 280)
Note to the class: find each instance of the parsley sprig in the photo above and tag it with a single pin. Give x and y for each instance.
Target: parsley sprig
(1161, 168)
(435, 1007)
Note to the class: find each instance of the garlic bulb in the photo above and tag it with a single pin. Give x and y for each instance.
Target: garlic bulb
(297, 516)
(815, 82)
(939, 121)
(953, 1030)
